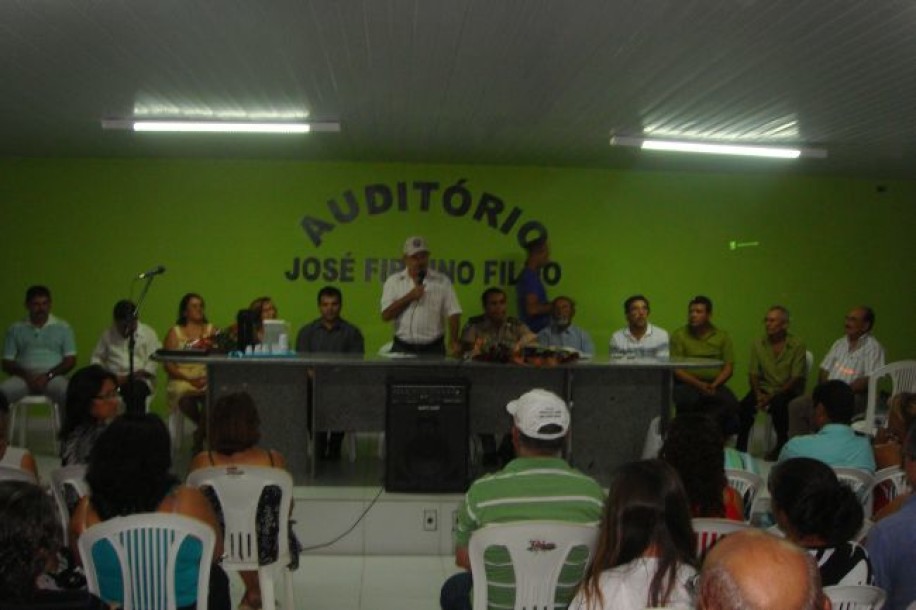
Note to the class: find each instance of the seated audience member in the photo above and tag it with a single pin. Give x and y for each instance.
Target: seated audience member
(639, 339)
(494, 328)
(776, 373)
(234, 440)
(753, 569)
(900, 416)
(536, 485)
(129, 473)
(92, 403)
(30, 538)
(14, 457)
(112, 353)
(822, 515)
(38, 351)
(891, 542)
(836, 443)
(330, 334)
(851, 359)
(694, 448)
(646, 553)
(704, 389)
(187, 387)
(561, 332)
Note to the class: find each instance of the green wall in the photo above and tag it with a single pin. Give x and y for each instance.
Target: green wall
(231, 230)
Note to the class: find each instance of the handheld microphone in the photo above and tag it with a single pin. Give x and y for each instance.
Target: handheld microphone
(421, 276)
(154, 271)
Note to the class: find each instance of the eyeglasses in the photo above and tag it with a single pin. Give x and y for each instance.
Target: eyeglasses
(112, 395)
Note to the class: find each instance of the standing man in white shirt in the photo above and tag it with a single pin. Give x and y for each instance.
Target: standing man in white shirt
(639, 339)
(421, 302)
(852, 359)
(111, 352)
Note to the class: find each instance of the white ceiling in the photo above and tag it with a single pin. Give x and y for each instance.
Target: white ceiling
(523, 82)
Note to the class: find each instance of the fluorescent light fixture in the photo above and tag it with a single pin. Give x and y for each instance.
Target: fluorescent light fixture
(184, 126)
(713, 148)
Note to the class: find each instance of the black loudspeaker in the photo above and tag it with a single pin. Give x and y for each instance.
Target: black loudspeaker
(426, 436)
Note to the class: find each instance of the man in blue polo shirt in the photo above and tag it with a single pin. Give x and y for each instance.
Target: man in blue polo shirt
(836, 443)
(38, 351)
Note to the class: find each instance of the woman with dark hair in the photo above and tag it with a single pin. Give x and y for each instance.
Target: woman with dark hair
(695, 449)
(92, 403)
(822, 515)
(646, 552)
(233, 441)
(187, 387)
(129, 473)
(30, 538)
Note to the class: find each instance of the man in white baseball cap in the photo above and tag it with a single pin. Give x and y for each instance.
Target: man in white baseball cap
(537, 485)
(419, 301)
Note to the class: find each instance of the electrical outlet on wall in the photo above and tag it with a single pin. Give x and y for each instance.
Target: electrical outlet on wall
(430, 519)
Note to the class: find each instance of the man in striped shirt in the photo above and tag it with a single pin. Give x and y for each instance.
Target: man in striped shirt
(536, 485)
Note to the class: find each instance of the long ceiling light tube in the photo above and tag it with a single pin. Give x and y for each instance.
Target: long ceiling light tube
(714, 148)
(186, 126)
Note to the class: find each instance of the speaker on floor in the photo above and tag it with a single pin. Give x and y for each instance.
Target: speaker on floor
(426, 435)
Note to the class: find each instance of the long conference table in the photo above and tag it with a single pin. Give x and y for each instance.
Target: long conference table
(612, 402)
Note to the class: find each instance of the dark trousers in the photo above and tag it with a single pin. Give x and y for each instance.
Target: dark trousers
(435, 347)
(723, 404)
(456, 592)
(134, 395)
(778, 410)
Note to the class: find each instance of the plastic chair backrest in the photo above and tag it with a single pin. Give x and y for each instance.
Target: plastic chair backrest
(708, 531)
(537, 552)
(888, 484)
(861, 482)
(68, 485)
(146, 546)
(654, 441)
(747, 484)
(11, 473)
(903, 379)
(855, 597)
(239, 490)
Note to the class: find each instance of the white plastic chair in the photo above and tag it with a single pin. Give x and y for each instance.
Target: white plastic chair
(747, 484)
(537, 553)
(68, 485)
(11, 473)
(861, 482)
(709, 530)
(654, 441)
(888, 483)
(903, 379)
(855, 597)
(19, 414)
(238, 490)
(146, 546)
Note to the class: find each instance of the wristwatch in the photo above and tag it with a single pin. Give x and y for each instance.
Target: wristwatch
(50, 375)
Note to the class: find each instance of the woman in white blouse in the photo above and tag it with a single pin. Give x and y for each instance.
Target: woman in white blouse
(646, 552)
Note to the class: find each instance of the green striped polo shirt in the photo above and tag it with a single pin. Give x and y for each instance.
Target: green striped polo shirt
(538, 488)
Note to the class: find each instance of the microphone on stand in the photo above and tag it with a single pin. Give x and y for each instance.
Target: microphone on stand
(154, 271)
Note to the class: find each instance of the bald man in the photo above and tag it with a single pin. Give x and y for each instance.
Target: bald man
(742, 569)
